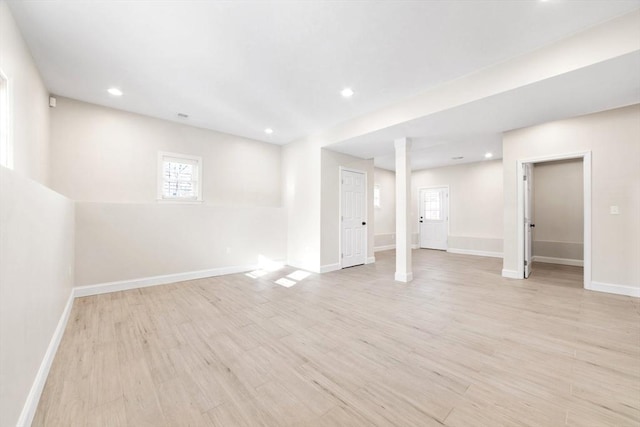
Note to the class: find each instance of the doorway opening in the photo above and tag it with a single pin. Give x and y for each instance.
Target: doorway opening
(353, 217)
(554, 215)
(434, 217)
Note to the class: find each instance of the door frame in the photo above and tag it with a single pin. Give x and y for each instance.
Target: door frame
(586, 183)
(431, 187)
(366, 212)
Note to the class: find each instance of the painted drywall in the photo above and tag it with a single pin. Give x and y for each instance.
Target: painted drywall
(104, 155)
(613, 137)
(28, 102)
(384, 217)
(330, 202)
(475, 203)
(36, 277)
(122, 241)
(558, 212)
(301, 193)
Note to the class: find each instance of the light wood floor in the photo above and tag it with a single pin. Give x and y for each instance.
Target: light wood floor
(459, 346)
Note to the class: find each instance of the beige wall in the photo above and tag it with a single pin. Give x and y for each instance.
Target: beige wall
(29, 102)
(613, 137)
(385, 215)
(120, 241)
(104, 155)
(36, 232)
(558, 210)
(330, 201)
(475, 203)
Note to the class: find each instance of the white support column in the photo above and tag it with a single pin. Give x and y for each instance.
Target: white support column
(403, 211)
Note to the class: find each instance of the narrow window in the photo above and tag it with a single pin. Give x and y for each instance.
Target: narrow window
(179, 177)
(6, 147)
(376, 196)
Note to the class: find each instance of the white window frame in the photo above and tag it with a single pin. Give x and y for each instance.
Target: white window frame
(6, 122)
(160, 194)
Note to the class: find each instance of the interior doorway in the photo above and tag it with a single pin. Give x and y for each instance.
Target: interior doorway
(353, 217)
(434, 217)
(554, 221)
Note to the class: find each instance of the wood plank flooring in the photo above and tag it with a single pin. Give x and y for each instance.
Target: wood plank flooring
(459, 346)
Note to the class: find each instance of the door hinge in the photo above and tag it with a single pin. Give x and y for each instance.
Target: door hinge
(524, 177)
(525, 262)
(341, 255)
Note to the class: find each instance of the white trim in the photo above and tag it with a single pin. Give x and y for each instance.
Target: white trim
(586, 169)
(610, 288)
(384, 248)
(403, 277)
(6, 148)
(366, 210)
(475, 252)
(160, 177)
(330, 267)
(33, 398)
(511, 274)
(124, 285)
(561, 261)
(370, 260)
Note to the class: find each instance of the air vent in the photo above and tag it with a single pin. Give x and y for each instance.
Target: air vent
(183, 115)
(457, 158)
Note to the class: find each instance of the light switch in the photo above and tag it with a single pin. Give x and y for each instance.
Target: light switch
(614, 210)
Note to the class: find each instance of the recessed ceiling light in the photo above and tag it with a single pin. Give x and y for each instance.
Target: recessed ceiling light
(268, 131)
(347, 92)
(457, 158)
(488, 155)
(114, 91)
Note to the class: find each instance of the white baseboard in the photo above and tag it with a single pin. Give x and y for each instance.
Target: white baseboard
(370, 260)
(330, 267)
(561, 261)
(610, 288)
(475, 252)
(403, 277)
(384, 248)
(33, 398)
(124, 285)
(511, 274)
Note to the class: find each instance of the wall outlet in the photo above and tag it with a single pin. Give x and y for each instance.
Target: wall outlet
(614, 210)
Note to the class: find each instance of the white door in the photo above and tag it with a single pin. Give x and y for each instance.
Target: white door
(434, 218)
(527, 175)
(353, 216)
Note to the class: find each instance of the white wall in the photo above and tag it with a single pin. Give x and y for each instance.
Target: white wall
(104, 155)
(120, 241)
(106, 159)
(385, 215)
(558, 210)
(475, 203)
(613, 137)
(29, 100)
(36, 232)
(330, 202)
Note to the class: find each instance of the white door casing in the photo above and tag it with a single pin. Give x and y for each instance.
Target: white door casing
(527, 179)
(353, 216)
(434, 218)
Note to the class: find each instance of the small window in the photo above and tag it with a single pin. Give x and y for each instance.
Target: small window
(179, 177)
(6, 147)
(376, 196)
(433, 206)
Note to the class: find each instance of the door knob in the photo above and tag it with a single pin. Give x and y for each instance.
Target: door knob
(364, 223)
(532, 225)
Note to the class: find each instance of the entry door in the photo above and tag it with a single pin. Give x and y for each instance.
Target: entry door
(434, 218)
(528, 218)
(353, 216)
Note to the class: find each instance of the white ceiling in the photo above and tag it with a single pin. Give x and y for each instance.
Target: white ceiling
(239, 67)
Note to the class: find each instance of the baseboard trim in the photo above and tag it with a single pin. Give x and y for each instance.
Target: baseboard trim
(561, 261)
(475, 252)
(403, 277)
(370, 260)
(330, 267)
(610, 288)
(511, 274)
(383, 248)
(33, 398)
(124, 285)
